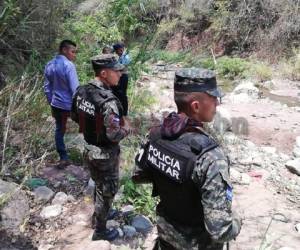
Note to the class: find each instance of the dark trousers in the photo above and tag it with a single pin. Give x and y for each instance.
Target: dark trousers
(120, 91)
(61, 117)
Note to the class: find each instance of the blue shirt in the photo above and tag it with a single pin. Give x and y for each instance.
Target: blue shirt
(61, 82)
(124, 59)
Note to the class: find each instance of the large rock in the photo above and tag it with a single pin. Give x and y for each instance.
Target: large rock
(51, 211)
(240, 126)
(112, 224)
(60, 198)
(222, 121)
(142, 224)
(244, 93)
(248, 88)
(129, 231)
(294, 166)
(268, 85)
(15, 209)
(43, 193)
(127, 210)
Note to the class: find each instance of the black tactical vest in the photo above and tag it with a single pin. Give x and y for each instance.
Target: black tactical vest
(170, 164)
(89, 105)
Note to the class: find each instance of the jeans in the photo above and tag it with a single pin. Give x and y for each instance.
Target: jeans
(60, 117)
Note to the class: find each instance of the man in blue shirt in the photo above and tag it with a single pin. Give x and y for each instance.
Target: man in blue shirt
(60, 84)
(120, 91)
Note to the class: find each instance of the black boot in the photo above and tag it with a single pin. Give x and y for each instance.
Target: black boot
(112, 213)
(108, 235)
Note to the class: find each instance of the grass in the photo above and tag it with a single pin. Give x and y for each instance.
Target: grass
(75, 155)
(140, 196)
(168, 56)
(259, 70)
(290, 67)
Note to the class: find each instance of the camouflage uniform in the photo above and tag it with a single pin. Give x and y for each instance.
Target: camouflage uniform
(102, 127)
(103, 164)
(209, 176)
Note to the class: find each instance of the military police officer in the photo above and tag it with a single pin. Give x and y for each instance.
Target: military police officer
(188, 170)
(99, 115)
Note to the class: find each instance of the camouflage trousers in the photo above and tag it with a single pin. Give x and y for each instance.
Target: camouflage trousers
(103, 164)
(170, 238)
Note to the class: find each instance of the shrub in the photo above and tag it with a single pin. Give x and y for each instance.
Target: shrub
(231, 67)
(259, 70)
(91, 33)
(140, 196)
(27, 26)
(290, 68)
(24, 117)
(167, 56)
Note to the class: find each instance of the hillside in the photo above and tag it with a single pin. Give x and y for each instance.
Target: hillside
(253, 46)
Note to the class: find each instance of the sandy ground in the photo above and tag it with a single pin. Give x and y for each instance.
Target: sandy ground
(268, 123)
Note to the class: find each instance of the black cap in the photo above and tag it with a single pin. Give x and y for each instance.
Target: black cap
(118, 46)
(197, 80)
(106, 61)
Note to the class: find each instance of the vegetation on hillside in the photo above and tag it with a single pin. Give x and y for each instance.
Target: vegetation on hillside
(227, 36)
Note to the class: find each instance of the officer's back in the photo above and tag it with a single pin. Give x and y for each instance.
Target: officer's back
(189, 170)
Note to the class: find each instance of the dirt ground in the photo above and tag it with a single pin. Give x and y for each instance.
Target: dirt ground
(269, 219)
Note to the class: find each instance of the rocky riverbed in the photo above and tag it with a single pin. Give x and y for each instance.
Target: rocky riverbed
(259, 132)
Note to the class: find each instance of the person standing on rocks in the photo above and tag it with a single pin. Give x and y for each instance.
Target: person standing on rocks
(189, 170)
(60, 84)
(100, 117)
(120, 90)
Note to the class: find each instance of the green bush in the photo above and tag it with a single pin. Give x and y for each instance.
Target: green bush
(167, 56)
(260, 71)
(27, 27)
(207, 63)
(75, 155)
(164, 32)
(290, 68)
(140, 196)
(226, 67)
(91, 33)
(231, 67)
